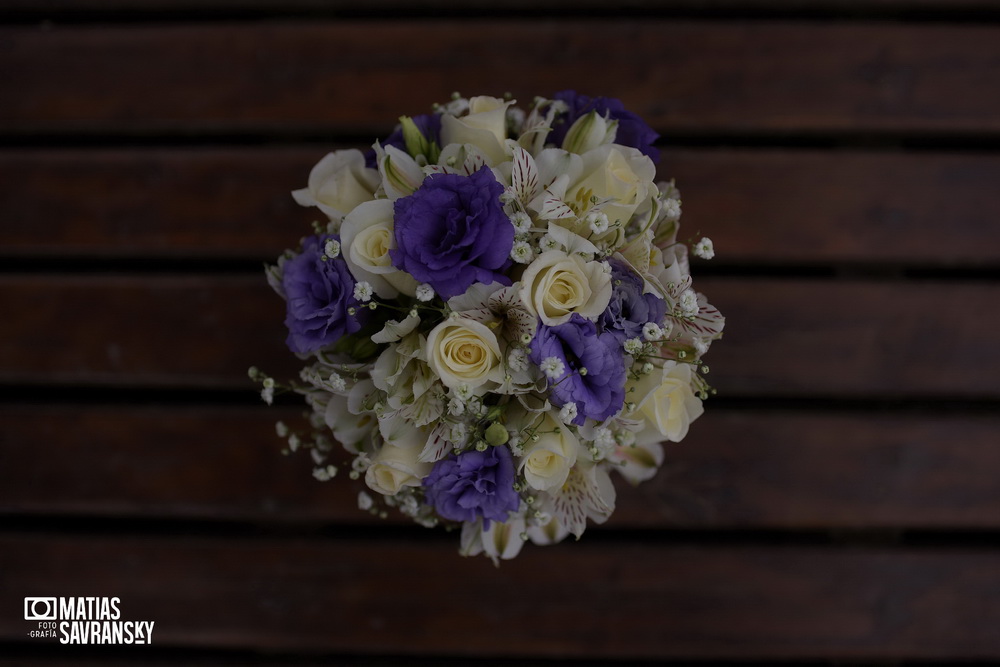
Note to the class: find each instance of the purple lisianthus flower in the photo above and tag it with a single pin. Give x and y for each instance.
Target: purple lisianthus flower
(632, 130)
(452, 232)
(629, 308)
(601, 392)
(473, 484)
(429, 125)
(319, 293)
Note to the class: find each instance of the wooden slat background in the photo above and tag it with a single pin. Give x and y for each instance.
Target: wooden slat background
(838, 503)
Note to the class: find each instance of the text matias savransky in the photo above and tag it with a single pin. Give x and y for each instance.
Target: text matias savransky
(85, 620)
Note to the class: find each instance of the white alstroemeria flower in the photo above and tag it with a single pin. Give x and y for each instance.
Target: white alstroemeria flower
(637, 462)
(485, 127)
(503, 540)
(589, 132)
(366, 237)
(401, 175)
(549, 531)
(400, 432)
(396, 329)
(587, 492)
(338, 183)
(350, 430)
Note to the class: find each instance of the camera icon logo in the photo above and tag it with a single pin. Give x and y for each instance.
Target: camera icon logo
(40, 609)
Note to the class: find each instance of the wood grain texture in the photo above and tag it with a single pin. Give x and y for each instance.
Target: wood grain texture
(804, 338)
(607, 601)
(764, 6)
(736, 469)
(759, 206)
(691, 77)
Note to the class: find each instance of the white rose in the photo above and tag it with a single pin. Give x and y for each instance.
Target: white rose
(621, 172)
(366, 237)
(667, 400)
(394, 468)
(547, 461)
(556, 285)
(485, 127)
(348, 429)
(464, 352)
(338, 183)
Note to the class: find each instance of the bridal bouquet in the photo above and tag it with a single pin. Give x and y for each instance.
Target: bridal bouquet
(496, 315)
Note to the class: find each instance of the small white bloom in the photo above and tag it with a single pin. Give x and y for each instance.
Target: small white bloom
(474, 405)
(651, 331)
(625, 438)
(456, 406)
(647, 368)
(457, 106)
(521, 253)
(666, 326)
(547, 242)
(553, 367)
(325, 474)
(363, 291)
(671, 209)
(689, 303)
(521, 222)
(281, 428)
(332, 248)
(633, 346)
(568, 413)
(365, 501)
(463, 391)
(457, 433)
(517, 360)
(514, 442)
(337, 382)
(424, 292)
(267, 394)
(700, 346)
(704, 248)
(603, 437)
(597, 221)
(361, 462)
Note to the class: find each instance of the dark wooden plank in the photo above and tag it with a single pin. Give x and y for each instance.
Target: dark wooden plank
(584, 600)
(805, 338)
(764, 6)
(759, 206)
(683, 77)
(736, 469)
